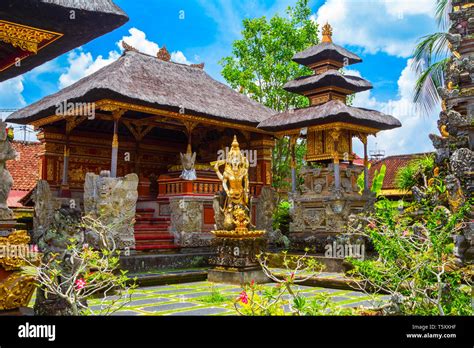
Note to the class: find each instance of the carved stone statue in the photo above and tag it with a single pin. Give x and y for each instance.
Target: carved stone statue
(113, 201)
(188, 160)
(6, 181)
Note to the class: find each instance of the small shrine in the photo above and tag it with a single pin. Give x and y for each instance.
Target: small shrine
(329, 192)
(237, 245)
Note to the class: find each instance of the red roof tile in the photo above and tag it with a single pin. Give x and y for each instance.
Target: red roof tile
(25, 170)
(393, 164)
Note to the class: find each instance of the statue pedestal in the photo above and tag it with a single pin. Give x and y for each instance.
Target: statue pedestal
(236, 261)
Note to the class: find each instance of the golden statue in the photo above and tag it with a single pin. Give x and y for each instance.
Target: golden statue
(235, 177)
(235, 182)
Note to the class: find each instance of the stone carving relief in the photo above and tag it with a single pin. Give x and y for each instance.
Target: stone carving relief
(113, 202)
(186, 218)
(266, 206)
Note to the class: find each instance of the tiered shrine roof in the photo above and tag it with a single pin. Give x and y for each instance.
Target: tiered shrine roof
(330, 112)
(327, 90)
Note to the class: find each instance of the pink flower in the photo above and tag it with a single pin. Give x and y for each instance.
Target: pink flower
(405, 233)
(80, 283)
(85, 246)
(244, 297)
(372, 224)
(34, 248)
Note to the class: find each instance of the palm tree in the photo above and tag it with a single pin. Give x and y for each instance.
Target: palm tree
(430, 58)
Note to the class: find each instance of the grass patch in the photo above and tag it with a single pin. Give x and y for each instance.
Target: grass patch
(216, 297)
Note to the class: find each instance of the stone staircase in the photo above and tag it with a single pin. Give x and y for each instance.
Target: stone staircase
(152, 233)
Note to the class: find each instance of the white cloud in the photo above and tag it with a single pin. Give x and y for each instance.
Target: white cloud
(82, 63)
(11, 93)
(138, 40)
(376, 26)
(412, 137)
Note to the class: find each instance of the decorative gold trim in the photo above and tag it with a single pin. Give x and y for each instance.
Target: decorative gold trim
(112, 105)
(175, 115)
(28, 39)
(329, 126)
(16, 291)
(395, 192)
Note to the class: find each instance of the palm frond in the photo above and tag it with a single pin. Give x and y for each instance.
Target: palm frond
(426, 88)
(429, 49)
(443, 7)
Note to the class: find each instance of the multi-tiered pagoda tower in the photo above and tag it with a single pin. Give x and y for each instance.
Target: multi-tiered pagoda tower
(329, 194)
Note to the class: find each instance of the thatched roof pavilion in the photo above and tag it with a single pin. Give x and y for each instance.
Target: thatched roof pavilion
(148, 81)
(52, 27)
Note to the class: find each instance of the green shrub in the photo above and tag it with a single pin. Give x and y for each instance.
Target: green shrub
(282, 218)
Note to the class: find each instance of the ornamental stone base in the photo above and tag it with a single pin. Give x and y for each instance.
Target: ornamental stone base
(236, 261)
(320, 212)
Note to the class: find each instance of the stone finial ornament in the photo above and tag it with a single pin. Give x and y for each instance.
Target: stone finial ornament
(163, 54)
(128, 47)
(199, 66)
(188, 160)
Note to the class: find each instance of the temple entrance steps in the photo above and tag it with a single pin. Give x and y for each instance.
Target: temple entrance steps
(152, 233)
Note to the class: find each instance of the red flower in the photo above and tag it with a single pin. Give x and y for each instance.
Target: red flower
(80, 283)
(244, 297)
(252, 283)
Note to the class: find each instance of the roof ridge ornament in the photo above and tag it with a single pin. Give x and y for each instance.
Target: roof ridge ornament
(163, 54)
(199, 66)
(128, 47)
(327, 33)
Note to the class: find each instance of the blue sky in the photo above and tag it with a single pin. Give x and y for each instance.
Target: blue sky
(382, 32)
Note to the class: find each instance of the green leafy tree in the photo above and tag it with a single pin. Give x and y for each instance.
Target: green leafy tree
(261, 64)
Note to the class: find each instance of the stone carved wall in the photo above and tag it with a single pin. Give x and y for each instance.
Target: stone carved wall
(267, 203)
(113, 201)
(187, 221)
(455, 144)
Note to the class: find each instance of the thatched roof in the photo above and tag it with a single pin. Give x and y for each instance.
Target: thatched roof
(332, 111)
(323, 51)
(91, 20)
(146, 80)
(328, 79)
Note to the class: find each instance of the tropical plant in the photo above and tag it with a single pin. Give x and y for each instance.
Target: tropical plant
(85, 273)
(261, 63)
(417, 172)
(281, 217)
(377, 182)
(415, 263)
(259, 300)
(430, 59)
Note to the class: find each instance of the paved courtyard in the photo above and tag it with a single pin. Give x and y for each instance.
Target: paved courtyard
(195, 299)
